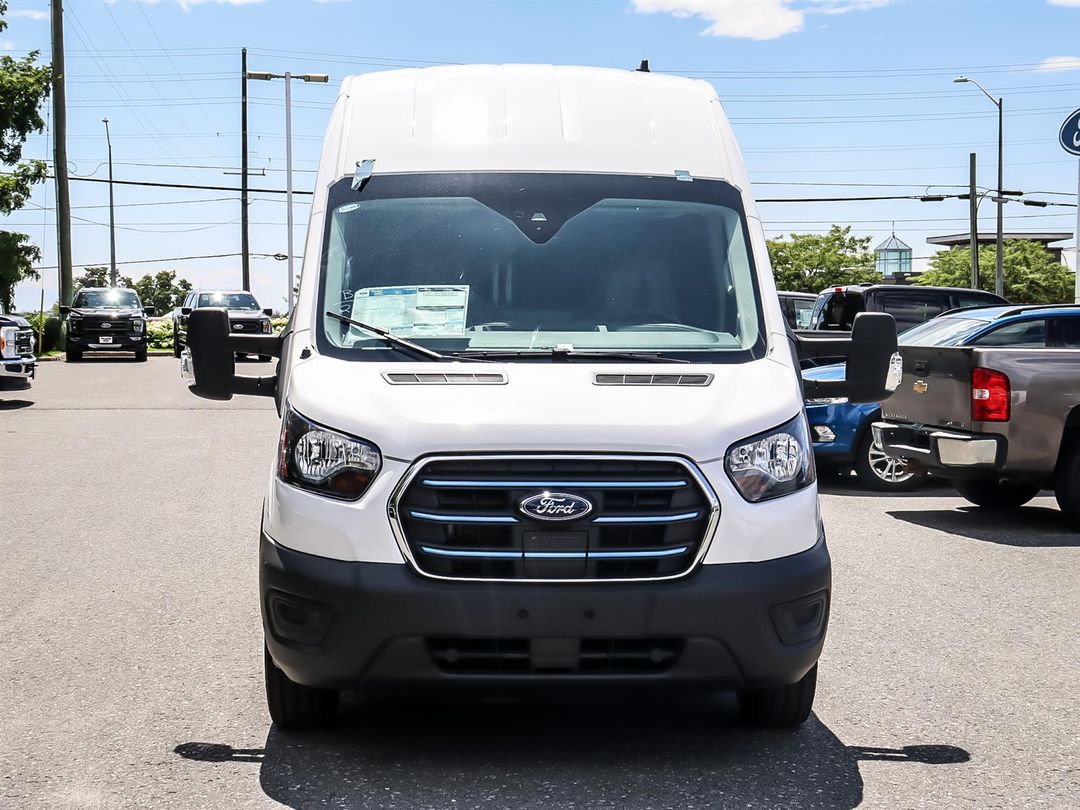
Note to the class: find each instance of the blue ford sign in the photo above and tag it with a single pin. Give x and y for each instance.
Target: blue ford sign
(1070, 133)
(555, 506)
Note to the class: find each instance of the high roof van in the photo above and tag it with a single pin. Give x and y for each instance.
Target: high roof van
(541, 415)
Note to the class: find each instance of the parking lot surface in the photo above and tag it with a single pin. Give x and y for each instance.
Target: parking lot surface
(131, 660)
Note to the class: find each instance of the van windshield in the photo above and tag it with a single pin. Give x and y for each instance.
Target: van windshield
(468, 263)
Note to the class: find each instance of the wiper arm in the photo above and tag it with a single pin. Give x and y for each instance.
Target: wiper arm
(571, 354)
(401, 343)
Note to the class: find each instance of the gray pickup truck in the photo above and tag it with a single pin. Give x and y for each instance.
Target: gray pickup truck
(991, 399)
(17, 363)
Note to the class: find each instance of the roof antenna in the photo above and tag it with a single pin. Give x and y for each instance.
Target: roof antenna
(643, 67)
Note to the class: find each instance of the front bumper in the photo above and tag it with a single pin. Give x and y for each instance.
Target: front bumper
(18, 368)
(119, 342)
(336, 624)
(947, 450)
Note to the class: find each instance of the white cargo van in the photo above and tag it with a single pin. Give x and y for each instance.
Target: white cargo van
(542, 418)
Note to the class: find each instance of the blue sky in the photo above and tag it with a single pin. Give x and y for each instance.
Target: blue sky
(819, 91)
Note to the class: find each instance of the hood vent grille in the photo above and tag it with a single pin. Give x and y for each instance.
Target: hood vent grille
(441, 378)
(697, 380)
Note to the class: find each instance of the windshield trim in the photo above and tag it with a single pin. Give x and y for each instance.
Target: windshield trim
(619, 186)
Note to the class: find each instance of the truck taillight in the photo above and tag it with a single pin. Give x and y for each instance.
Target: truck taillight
(989, 396)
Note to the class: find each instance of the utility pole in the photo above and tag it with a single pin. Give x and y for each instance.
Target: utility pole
(974, 205)
(245, 257)
(112, 212)
(60, 171)
(999, 277)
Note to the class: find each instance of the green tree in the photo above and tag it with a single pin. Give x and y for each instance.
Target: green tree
(24, 85)
(163, 290)
(810, 262)
(17, 257)
(93, 277)
(1031, 274)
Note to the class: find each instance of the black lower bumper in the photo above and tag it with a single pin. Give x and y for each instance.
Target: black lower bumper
(119, 342)
(339, 625)
(947, 451)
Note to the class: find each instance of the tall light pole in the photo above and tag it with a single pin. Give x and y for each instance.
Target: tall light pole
(112, 213)
(320, 78)
(999, 281)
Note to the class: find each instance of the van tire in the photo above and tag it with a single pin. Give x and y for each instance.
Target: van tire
(1067, 484)
(294, 706)
(867, 459)
(997, 495)
(780, 707)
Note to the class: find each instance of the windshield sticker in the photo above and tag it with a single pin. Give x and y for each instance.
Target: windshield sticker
(436, 310)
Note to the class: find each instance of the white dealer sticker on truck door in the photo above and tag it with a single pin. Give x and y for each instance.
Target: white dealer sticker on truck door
(436, 310)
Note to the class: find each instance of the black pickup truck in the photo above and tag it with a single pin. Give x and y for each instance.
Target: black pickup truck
(106, 319)
(17, 363)
(991, 399)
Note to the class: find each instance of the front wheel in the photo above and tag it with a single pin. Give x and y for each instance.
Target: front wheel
(998, 495)
(1067, 484)
(780, 707)
(176, 347)
(140, 354)
(73, 355)
(294, 706)
(876, 470)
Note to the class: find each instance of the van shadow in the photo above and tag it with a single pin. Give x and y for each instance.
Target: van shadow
(1029, 526)
(530, 755)
(14, 404)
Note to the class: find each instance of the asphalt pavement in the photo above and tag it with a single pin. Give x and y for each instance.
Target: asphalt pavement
(131, 665)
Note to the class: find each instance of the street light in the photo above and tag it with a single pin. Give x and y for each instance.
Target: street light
(265, 76)
(999, 282)
(112, 217)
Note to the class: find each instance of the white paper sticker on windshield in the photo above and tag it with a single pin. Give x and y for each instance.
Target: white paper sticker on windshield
(436, 310)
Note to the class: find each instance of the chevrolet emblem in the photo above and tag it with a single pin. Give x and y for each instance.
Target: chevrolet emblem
(920, 386)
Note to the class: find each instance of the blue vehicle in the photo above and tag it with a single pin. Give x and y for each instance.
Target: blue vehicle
(843, 440)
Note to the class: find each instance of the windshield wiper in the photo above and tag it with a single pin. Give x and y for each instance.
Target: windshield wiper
(401, 343)
(572, 354)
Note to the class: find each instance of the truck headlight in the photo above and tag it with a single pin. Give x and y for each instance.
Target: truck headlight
(777, 462)
(314, 458)
(896, 372)
(137, 324)
(7, 341)
(265, 327)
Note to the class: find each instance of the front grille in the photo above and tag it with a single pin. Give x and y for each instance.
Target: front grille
(90, 324)
(585, 656)
(24, 342)
(462, 518)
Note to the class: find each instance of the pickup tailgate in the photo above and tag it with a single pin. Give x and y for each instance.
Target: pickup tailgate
(935, 390)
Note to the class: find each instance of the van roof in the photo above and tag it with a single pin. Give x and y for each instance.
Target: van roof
(530, 118)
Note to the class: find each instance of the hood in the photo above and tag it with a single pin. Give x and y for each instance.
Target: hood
(109, 312)
(247, 315)
(546, 407)
(13, 320)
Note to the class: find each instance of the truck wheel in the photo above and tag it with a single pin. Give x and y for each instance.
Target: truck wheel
(176, 347)
(293, 706)
(140, 354)
(782, 707)
(1067, 485)
(73, 355)
(881, 472)
(997, 495)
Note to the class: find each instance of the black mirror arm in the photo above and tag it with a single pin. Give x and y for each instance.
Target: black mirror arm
(269, 345)
(255, 386)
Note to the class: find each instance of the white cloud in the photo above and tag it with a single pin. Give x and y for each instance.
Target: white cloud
(753, 19)
(1069, 3)
(187, 4)
(29, 13)
(1055, 64)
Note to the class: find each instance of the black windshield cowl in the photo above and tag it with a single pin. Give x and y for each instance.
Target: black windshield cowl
(569, 355)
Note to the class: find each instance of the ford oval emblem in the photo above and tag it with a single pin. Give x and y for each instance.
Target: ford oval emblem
(555, 506)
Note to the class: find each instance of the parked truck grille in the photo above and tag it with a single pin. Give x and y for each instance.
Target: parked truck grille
(24, 342)
(106, 325)
(466, 517)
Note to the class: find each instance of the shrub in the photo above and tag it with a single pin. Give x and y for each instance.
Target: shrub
(278, 324)
(159, 334)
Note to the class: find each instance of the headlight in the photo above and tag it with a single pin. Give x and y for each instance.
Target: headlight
(266, 327)
(896, 372)
(137, 324)
(772, 464)
(74, 321)
(313, 458)
(7, 340)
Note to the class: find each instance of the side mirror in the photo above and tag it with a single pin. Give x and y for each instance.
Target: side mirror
(211, 367)
(185, 310)
(149, 311)
(873, 364)
(65, 311)
(269, 313)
